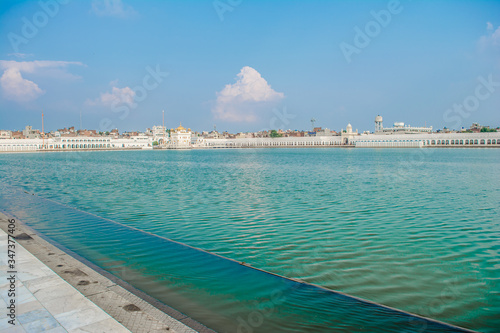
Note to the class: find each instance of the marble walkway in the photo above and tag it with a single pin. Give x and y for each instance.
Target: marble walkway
(44, 301)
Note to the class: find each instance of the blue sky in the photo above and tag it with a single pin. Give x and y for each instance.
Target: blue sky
(248, 65)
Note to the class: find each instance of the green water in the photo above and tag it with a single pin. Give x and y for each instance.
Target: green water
(414, 229)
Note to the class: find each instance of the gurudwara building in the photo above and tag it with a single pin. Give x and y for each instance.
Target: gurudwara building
(160, 135)
(180, 138)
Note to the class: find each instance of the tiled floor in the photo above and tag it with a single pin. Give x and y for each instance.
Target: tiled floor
(45, 302)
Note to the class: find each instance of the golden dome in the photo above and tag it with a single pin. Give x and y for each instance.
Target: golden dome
(180, 128)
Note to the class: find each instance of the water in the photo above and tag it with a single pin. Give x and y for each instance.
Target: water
(413, 229)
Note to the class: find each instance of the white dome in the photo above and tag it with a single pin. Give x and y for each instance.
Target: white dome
(349, 126)
(378, 119)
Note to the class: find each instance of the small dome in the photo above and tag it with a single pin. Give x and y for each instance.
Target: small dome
(349, 126)
(180, 128)
(378, 119)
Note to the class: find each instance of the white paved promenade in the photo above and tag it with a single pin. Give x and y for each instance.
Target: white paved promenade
(44, 301)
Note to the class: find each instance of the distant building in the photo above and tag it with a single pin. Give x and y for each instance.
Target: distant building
(130, 134)
(85, 132)
(325, 132)
(399, 128)
(476, 128)
(348, 135)
(295, 134)
(30, 133)
(4, 134)
(115, 133)
(160, 134)
(211, 135)
(180, 137)
(17, 135)
(243, 135)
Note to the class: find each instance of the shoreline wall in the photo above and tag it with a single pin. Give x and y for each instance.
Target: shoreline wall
(432, 140)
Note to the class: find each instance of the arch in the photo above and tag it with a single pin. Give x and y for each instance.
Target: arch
(481, 142)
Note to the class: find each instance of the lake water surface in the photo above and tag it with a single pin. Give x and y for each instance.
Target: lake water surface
(414, 229)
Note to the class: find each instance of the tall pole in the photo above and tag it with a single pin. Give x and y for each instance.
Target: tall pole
(43, 134)
(164, 129)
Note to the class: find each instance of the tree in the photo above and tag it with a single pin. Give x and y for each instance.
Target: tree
(486, 129)
(275, 134)
(155, 143)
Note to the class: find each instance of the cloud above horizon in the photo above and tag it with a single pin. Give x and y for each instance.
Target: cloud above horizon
(20, 55)
(113, 8)
(492, 38)
(115, 97)
(17, 88)
(239, 102)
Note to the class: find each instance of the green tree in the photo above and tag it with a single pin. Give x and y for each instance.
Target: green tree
(275, 134)
(486, 129)
(155, 143)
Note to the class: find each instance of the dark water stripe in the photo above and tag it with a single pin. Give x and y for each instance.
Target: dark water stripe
(218, 292)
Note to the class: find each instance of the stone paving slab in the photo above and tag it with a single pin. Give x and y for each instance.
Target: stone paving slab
(119, 304)
(44, 301)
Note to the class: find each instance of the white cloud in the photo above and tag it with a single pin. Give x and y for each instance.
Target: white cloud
(17, 88)
(20, 55)
(240, 101)
(492, 38)
(116, 96)
(115, 8)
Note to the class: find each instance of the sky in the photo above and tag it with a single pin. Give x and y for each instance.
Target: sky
(244, 65)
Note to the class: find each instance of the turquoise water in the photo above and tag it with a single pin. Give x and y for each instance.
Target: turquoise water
(414, 229)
